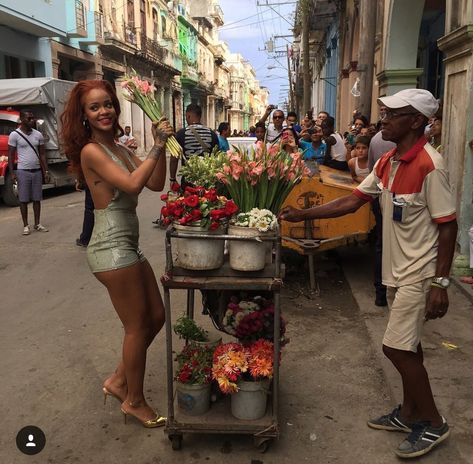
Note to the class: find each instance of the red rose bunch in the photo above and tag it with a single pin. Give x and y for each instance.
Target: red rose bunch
(194, 364)
(198, 205)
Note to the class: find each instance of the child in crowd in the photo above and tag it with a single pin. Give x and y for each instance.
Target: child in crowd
(315, 149)
(359, 163)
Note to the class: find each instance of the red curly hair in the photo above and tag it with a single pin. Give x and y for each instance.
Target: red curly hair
(74, 134)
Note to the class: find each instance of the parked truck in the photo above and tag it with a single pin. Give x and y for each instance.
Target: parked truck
(46, 98)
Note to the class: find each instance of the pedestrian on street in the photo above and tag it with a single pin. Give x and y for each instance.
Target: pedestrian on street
(116, 177)
(88, 221)
(419, 225)
(224, 132)
(378, 147)
(28, 143)
(128, 140)
(195, 139)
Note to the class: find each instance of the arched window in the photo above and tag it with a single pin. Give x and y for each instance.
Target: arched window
(163, 26)
(155, 25)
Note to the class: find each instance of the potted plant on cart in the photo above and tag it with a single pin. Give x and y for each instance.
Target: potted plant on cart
(251, 255)
(193, 378)
(198, 212)
(245, 372)
(187, 329)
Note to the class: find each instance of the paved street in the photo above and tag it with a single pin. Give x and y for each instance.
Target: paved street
(60, 339)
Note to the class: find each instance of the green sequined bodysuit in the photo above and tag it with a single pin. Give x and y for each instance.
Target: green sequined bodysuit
(114, 241)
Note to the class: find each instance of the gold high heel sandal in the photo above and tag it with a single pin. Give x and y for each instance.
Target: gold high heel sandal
(109, 393)
(159, 421)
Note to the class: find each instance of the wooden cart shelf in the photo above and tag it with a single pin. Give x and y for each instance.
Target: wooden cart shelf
(218, 419)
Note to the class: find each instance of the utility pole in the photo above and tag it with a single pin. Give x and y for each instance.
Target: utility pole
(366, 55)
(305, 13)
(289, 76)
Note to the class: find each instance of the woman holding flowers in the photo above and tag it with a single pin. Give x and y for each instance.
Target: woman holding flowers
(116, 177)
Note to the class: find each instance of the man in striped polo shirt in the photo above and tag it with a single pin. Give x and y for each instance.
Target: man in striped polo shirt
(419, 235)
(195, 139)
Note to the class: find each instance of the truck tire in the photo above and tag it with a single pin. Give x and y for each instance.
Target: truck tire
(10, 198)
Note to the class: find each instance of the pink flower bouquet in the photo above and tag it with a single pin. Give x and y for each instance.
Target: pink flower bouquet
(262, 177)
(142, 93)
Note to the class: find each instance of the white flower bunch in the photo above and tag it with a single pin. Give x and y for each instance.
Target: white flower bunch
(261, 219)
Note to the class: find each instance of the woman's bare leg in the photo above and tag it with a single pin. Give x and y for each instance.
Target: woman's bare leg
(129, 297)
(116, 383)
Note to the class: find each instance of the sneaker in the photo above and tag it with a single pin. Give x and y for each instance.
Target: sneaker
(422, 439)
(26, 230)
(391, 422)
(81, 244)
(41, 228)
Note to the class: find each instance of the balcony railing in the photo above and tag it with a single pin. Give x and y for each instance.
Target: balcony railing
(151, 49)
(95, 35)
(217, 15)
(98, 20)
(79, 28)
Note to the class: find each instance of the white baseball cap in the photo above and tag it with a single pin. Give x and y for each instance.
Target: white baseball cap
(422, 100)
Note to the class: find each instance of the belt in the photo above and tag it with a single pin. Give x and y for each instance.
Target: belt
(30, 170)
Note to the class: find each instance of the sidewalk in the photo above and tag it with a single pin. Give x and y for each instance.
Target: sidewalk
(448, 348)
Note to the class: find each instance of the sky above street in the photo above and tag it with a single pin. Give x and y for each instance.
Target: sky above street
(249, 25)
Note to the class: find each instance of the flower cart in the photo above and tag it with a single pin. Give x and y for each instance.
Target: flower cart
(219, 419)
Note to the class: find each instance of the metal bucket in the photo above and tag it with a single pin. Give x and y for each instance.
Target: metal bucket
(199, 254)
(193, 400)
(249, 402)
(247, 255)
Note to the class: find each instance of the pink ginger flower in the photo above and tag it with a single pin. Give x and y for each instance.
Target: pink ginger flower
(273, 150)
(236, 170)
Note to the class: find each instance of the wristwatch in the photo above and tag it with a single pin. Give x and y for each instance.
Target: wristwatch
(442, 282)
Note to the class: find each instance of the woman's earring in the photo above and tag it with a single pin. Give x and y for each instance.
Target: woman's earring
(85, 123)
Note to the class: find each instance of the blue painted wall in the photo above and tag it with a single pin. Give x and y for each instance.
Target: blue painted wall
(47, 14)
(331, 71)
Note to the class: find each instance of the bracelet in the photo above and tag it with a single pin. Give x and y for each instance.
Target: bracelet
(172, 179)
(433, 284)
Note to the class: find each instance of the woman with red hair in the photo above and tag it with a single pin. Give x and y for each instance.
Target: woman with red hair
(115, 177)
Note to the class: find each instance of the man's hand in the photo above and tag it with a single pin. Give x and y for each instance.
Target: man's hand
(291, 214)
(437, 303)
(47, 177)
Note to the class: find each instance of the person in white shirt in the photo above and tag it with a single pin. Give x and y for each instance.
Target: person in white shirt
(336, 154)
(128, 140)
(275, 128)
(28, 143)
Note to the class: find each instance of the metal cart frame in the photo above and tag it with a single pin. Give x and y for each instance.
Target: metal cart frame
(218, 419)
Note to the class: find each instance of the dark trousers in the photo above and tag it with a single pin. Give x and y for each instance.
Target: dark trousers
(378, 250)
(88, 223)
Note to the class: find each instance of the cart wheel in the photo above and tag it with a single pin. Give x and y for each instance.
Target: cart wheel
(262, 444)
(176, 442)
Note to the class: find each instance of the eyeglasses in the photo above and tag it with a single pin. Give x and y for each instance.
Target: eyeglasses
(278, 117)
(388, 114)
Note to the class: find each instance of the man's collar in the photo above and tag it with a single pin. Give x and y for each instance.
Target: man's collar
(412, 152)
